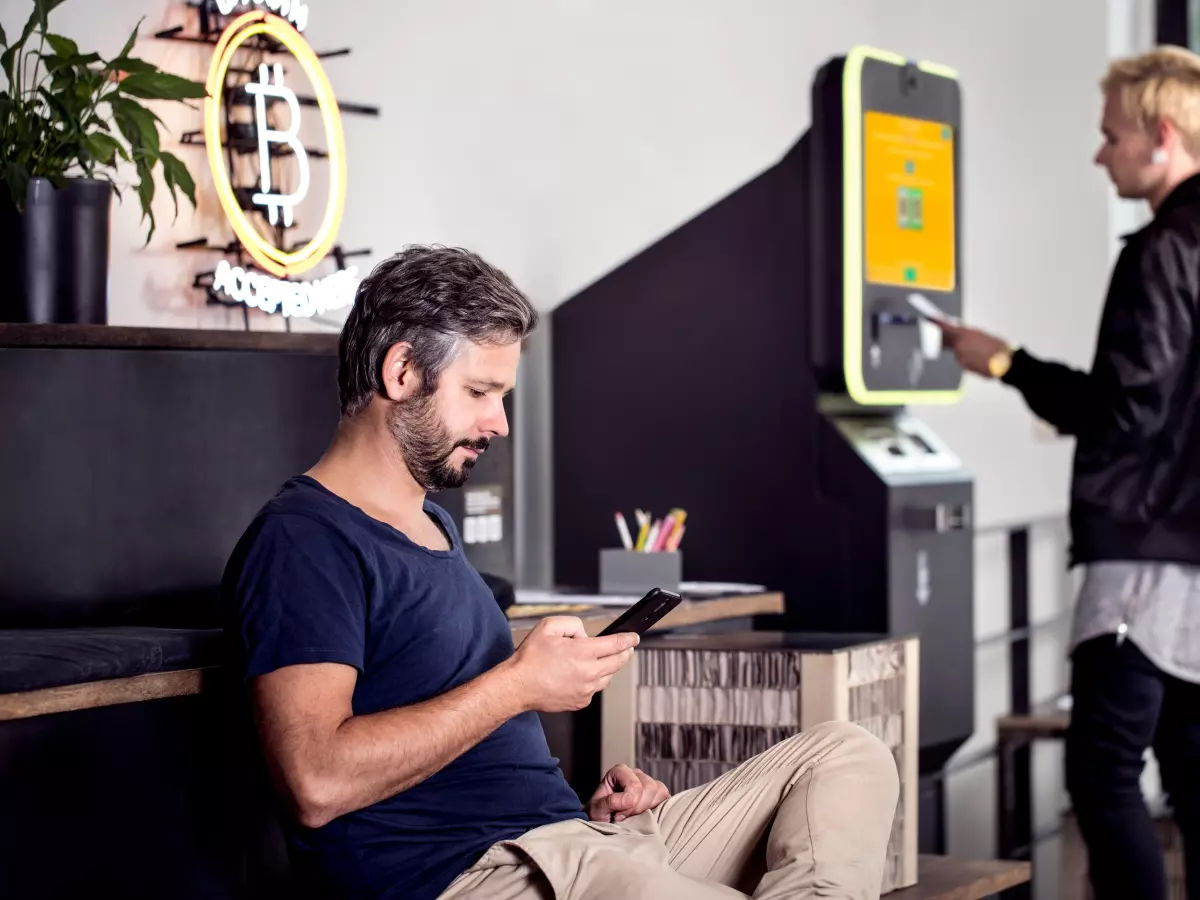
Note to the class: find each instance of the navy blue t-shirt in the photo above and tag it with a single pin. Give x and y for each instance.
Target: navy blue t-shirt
(315, 579)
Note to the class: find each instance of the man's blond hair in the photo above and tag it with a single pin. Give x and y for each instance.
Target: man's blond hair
(1161, 84)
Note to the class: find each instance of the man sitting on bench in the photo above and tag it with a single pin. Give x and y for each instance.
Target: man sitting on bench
(398, 722)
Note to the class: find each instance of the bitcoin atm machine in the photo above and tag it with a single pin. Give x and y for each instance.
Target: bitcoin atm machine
(884, 158)
(756, 367)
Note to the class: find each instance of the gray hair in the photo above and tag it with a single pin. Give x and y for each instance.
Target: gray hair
(432, 298)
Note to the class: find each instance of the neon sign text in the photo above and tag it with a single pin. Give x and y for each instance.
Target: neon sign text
(299, 299)
(295, 11)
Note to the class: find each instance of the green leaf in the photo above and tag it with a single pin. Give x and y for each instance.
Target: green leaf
(116, 190)
(132, 39)
(64, 47)
(7, 60)
(3, 38)
(17, 178)
(130, 65)
(73, 64)
(67, 105)
(145, 191)
(137, 124)
(83, 90)
(176, 175)
(30, 24)
(62, 79)
(104, 148)
(161, 86)
(59, 108)
(42, 9)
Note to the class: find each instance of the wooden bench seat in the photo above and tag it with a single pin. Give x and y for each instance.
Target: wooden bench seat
(945, 878)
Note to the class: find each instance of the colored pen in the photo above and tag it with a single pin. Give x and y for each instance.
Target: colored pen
(643, 533)
(676, 538)
(664, 534)
(623, 530)
(652, 537)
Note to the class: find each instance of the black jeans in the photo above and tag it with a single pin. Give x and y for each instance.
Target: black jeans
(1123, 704)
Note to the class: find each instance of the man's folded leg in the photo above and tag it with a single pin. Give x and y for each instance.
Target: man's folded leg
(810, 817)
(503, 873)
(580, 860)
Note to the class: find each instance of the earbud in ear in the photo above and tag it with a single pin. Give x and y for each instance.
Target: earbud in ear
(1159, 156)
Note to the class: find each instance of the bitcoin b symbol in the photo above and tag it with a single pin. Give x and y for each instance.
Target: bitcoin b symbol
(262, 89)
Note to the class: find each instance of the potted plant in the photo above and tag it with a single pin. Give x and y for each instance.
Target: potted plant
(68, 119)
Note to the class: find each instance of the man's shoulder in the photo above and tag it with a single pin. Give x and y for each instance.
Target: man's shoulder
(304, 498)
(1174, 231)
(300, 505)
(1163, 260)
(301, 517)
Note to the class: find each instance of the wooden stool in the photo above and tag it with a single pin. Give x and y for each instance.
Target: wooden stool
(1013, 811)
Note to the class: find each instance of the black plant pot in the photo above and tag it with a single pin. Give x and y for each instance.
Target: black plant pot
(58, 248)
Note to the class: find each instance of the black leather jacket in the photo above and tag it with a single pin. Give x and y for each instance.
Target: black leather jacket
(1135, 492)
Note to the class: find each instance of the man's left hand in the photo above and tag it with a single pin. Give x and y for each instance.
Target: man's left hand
(973, 348)
(624, 793)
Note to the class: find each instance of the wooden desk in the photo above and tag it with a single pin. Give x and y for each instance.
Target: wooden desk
(689, 612)
(943, 878)
(187, 682)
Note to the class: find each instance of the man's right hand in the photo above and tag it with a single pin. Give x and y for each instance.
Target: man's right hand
(558, 667)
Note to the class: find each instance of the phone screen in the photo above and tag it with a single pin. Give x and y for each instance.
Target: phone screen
(642, 616)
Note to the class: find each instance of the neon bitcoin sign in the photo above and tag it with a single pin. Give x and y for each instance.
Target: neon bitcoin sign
(277, 121)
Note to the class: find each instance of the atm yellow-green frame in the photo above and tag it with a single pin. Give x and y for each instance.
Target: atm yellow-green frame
(852, 236)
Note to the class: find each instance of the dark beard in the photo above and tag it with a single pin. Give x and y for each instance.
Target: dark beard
(426, 445)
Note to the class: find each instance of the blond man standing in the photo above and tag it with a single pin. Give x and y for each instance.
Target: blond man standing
(1135, 494)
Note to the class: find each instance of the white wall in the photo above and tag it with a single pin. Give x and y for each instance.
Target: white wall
(560, 137)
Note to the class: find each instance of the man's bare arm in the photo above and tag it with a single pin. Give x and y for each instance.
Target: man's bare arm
(329, 762)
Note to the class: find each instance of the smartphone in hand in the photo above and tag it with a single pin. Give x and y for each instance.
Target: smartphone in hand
(641, 617)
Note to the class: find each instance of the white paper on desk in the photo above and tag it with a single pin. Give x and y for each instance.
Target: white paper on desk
(719, 588)
(535, 596)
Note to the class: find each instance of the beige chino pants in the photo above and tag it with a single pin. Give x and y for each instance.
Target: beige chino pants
(808, 818)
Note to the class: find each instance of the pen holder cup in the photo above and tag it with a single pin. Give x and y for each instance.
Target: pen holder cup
(630, 572)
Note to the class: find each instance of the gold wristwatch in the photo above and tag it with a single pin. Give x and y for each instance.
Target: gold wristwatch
(1000, 362)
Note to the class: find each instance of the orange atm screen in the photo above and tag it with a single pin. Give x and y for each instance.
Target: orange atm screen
(908, 173)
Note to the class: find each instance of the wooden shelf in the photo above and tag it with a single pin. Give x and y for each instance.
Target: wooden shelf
(126, 338)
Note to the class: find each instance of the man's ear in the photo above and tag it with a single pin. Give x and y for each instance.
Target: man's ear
(400, 380)
(1165, 135)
